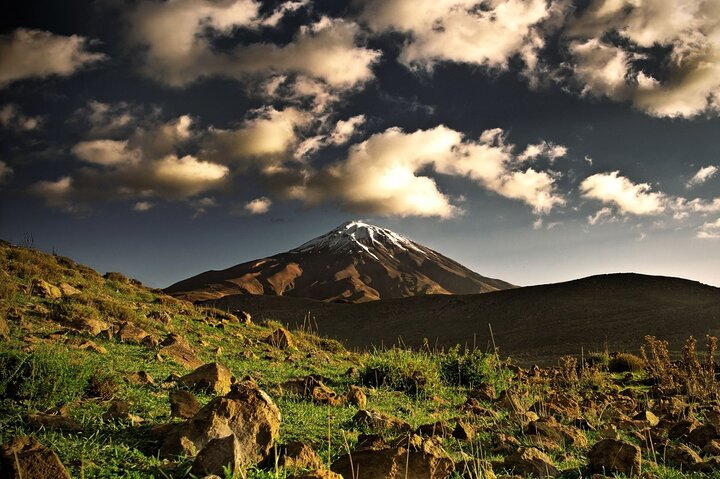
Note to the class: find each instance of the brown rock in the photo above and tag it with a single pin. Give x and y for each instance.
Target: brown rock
(175, 347)
(61, 422)
(68, 290)
(312, 387)
(681, 455)
(681, 429)
(141, 378)
(183, 404)
(485, 392)
(510, 402)
(280, 338)
(247, 412)
(463, 431)
(129, 333)
(439, 429)
(647, 418)
(4, 328)
(318, 474)
(218, 454)
(701, 436)
(25, 457)
(380, 422)
(243, 316)
(44, 289)
(410, 457)
(549, 428)
(357, 397)
(612, 455)
(119, 411)
(298, 455)
(92, 346)
(529, 460)
(209, 378)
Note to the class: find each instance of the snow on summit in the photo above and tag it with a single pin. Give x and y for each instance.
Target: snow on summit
(356, 236)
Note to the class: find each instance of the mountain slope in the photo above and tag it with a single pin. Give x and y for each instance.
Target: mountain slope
(355, 262)
(537, 323)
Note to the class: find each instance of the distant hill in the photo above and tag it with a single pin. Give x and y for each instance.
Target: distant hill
(537, 323)
(355, 262)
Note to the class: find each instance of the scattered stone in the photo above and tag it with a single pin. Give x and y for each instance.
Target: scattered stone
(439, 429)
(318, 474)
(297, 455)
(149, 341)
(681, 429)
(702, 435)
(68, 290)
(380, 422)
(160, 316)
(510, 402)
(614, 456)
(183, 404)
(463, 431)
(243, 316)
(44, 289)
(314, 389)
(357, 397)
(209, 378)
(485, 392)
(92, 346)
(410, 457)
(647, 418)
(280, 338)
(175, 347)
(531, 461)
(4, 328)
(141, 378)
(247, 412)
(119, 411)
(60, 421)
(129, 333)
(25, 457)
(681, 455)
(218, 455)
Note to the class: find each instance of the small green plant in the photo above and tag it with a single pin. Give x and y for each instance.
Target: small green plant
(599, 360)
(411, 372)
(45, 377)
(626, 362)
(473, 367)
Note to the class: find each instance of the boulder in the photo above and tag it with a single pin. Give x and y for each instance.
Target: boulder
(439, 429)
(701, 436)
(44, 289)
(183, 404)
(280, 338)
(129, 333)
(682, 456)
(218, 455)
(247, 412)
(615, 456)
(68, 290)
(208, 378)
(25, 457)
(175, 347)
(297, 455)
(410, 457)
(379, 422)
(357, 397)
(61, 422)
(531, 461)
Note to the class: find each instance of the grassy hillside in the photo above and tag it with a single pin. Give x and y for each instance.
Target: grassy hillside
(85, 368)
(531, 324)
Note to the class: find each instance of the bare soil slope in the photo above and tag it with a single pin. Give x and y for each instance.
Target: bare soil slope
(537, 323)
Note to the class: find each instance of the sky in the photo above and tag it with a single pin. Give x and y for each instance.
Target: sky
(534, 141)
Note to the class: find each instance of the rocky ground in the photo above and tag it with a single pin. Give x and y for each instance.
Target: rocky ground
(101, 377)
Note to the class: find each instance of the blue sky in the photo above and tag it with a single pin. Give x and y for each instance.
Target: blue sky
(531, 140)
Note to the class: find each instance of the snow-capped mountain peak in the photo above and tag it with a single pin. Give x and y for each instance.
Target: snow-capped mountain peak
(356, 237)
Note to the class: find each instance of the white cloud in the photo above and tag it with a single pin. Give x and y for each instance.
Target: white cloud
(106, 118)
(463, 31)
(702, 176)
(28, 53)
(106, 152)
(178, 36)
(5, 172)
(345, 129)
(709, 230)
(689, 33)
(382, 175)
(548, 150)
(602, 215)
(13, 119)
(143, 206)
(269, 135)
(258, 206)
(187, 176)
(626, 196)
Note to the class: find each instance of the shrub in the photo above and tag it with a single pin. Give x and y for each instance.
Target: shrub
(46, 377)
(71, 309)
(625, 362)
(8, 288)
(411, 372)
(600, 361)
(473, 367)
(116, 277)
(101, 385)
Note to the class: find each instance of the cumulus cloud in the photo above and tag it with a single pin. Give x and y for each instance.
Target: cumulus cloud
(179, 38)
(602, 215)
(613, 42)
(258, 206)
(5, 172)
(702, 176)
(268, 136)
(623, 194)
(345, 129)
(28, 53)
(143, 206)
(107, 118)
(13, 119)
(709, 230)
(465, 31)
(385, 174)
(146, 165)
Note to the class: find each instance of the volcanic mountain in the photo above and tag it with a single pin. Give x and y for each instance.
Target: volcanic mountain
(355, 262)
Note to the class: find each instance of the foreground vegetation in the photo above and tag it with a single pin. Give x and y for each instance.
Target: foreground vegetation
(85, 368)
